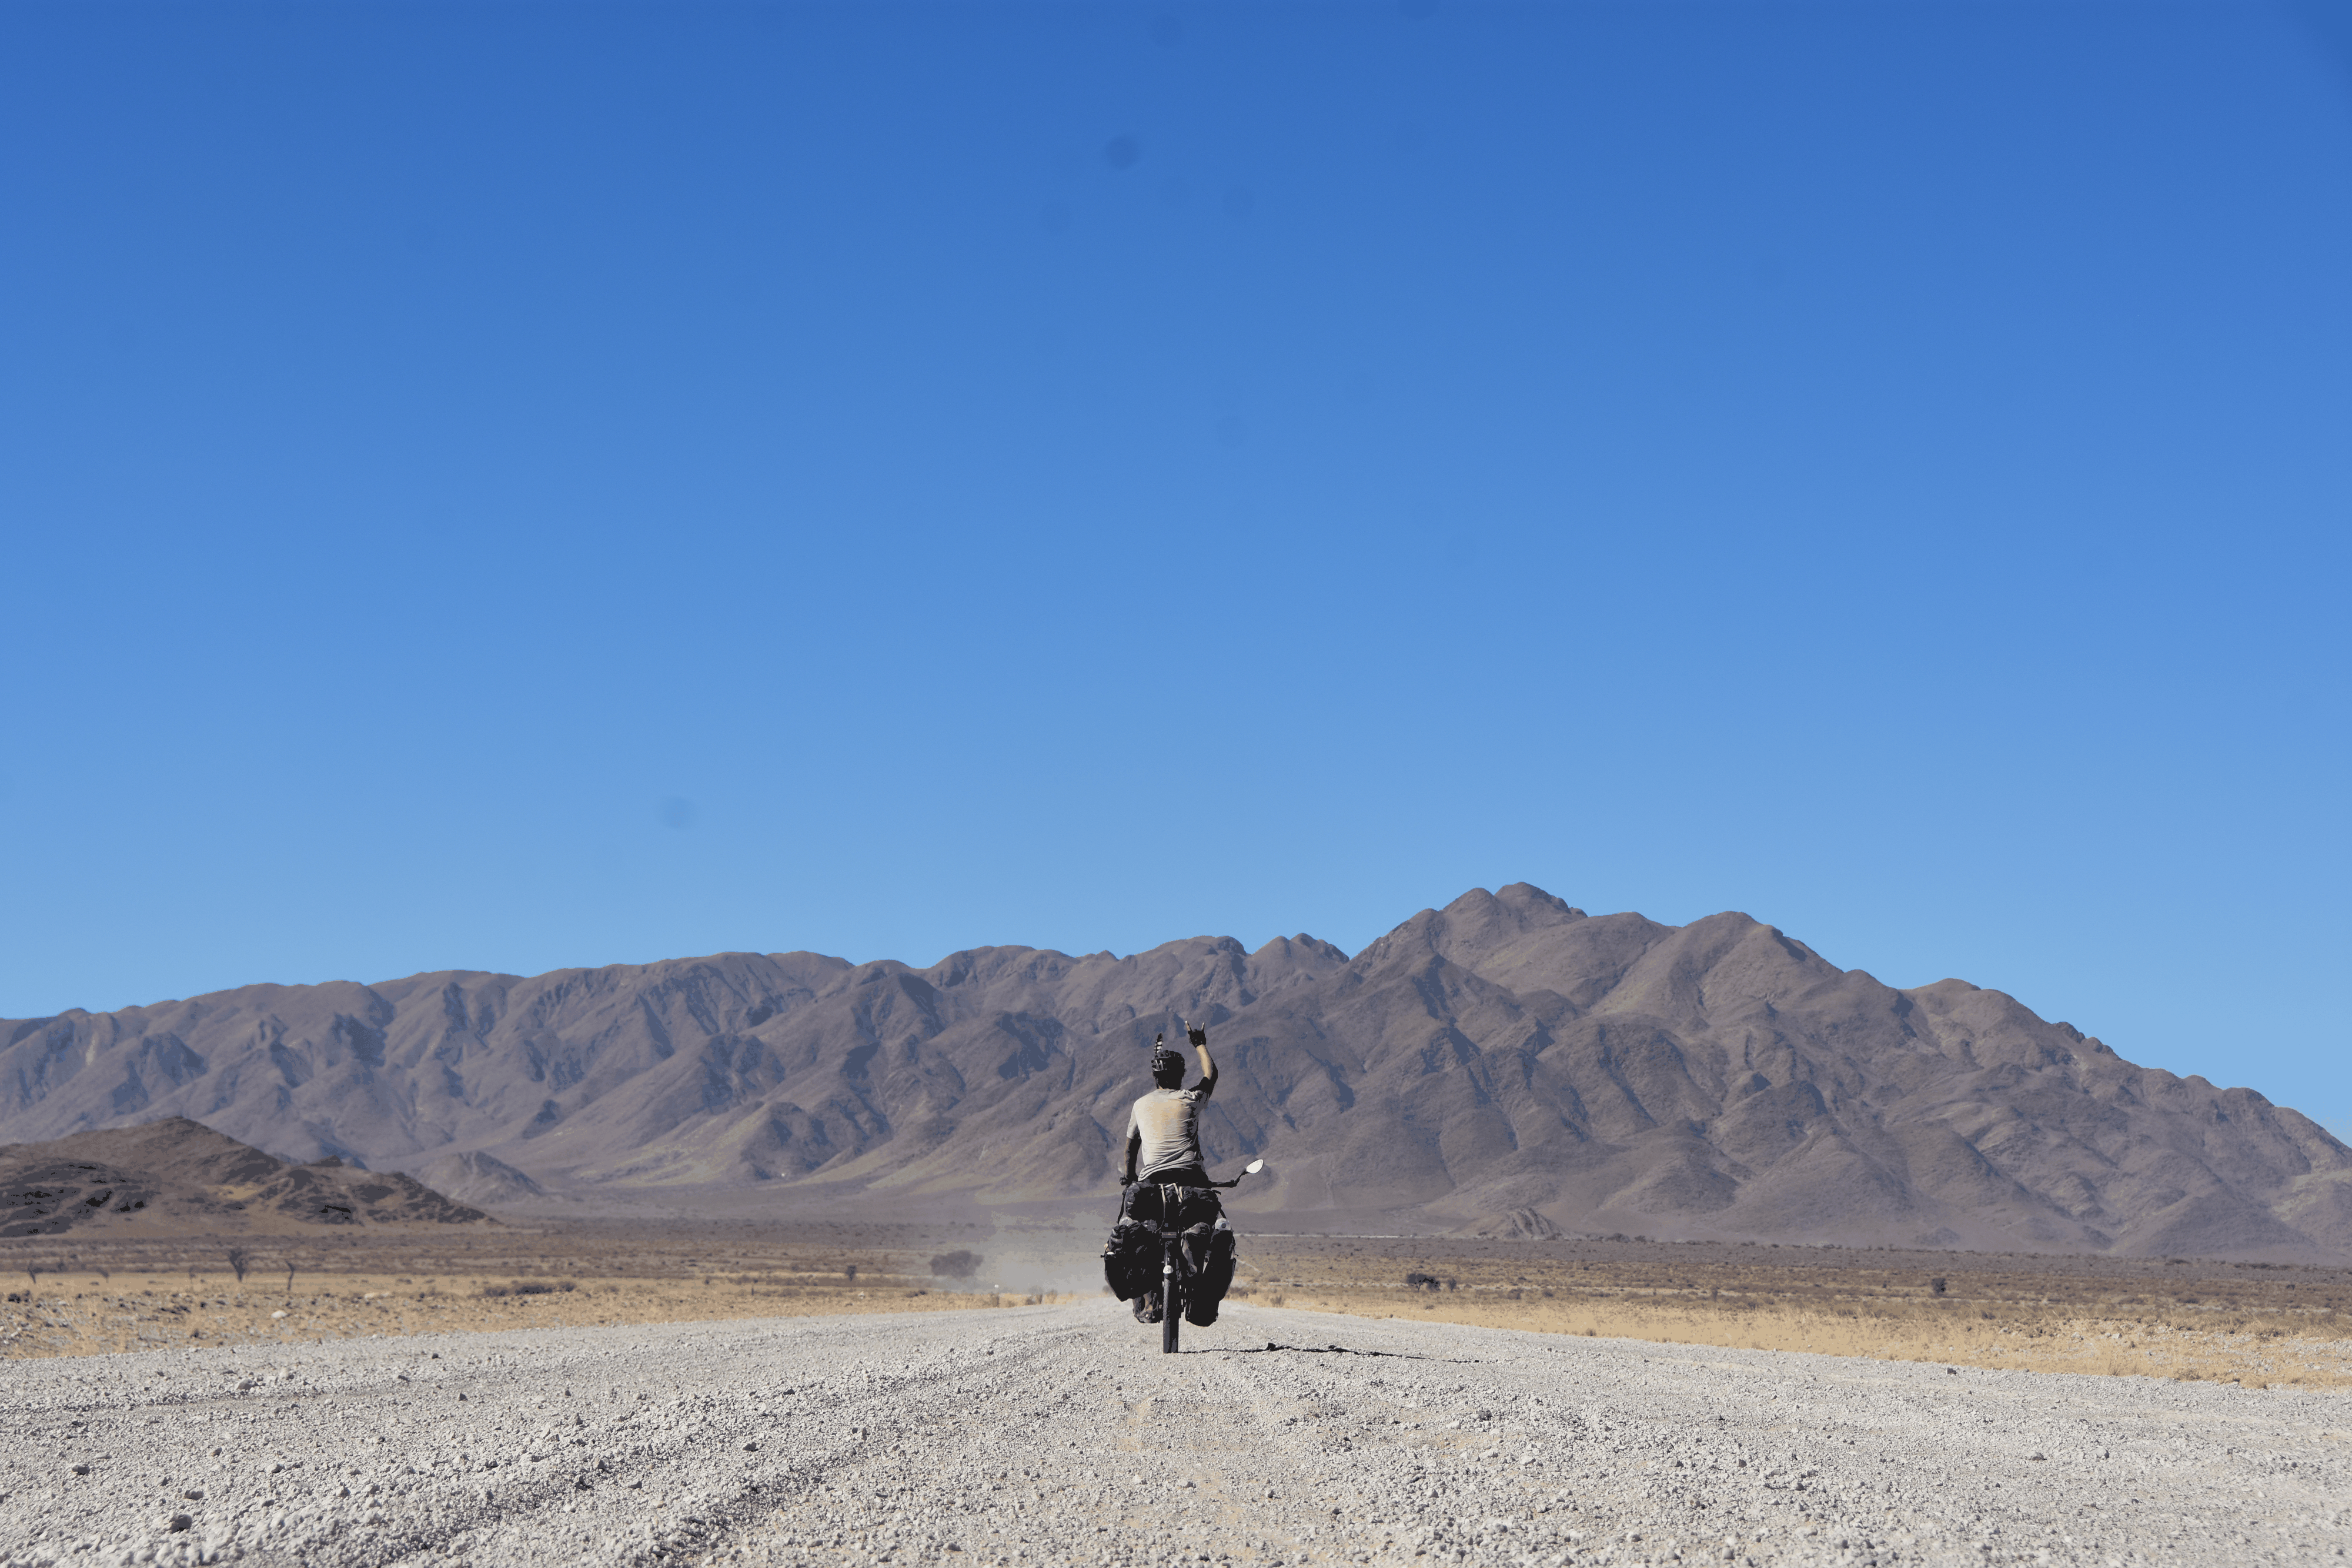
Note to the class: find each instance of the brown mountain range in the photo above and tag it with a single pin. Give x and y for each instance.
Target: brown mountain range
(174, 1177)
(1507, 1062)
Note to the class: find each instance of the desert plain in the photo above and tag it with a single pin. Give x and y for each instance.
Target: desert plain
(631, 1392)
(2183, 1318)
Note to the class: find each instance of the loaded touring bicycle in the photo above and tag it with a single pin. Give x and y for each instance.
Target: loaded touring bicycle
(1173, 1249)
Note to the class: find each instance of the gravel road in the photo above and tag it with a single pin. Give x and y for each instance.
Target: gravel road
(1058, 1435)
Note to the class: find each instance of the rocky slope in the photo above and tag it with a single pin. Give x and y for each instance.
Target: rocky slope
(1507, 1053)
(173, 1176)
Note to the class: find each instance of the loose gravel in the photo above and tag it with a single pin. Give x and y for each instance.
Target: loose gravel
(1060, 1435)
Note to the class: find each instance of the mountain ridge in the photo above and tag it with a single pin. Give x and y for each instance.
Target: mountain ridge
(1507, 1053)
(173, 1176)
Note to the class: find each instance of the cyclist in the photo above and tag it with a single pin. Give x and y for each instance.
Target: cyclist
(1164, 1131)
(1163, 1138)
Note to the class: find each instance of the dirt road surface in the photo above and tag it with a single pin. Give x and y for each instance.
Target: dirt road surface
(1059, 1435)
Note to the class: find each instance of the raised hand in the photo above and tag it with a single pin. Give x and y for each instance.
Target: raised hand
(1198, 1036)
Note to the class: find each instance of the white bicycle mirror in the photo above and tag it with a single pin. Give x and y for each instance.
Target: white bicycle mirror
(1252, 1168)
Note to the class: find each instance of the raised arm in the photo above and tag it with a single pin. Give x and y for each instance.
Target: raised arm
(1208, 1084)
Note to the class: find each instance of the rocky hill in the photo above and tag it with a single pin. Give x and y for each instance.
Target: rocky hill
(173, 1176)
(1506, 1061)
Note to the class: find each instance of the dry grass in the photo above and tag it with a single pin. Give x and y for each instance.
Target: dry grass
(2246, 1324)
(140, 1295)
(2255, 1327)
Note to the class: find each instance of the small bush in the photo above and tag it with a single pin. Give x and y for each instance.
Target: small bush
(956, 1265)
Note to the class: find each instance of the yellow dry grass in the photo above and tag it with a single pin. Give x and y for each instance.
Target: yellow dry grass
(2256, 1331)
(2142, 1318)
(79, 1295)
(92, 1314)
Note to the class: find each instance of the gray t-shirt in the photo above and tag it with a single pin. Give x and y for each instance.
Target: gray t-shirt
(1169, 1121)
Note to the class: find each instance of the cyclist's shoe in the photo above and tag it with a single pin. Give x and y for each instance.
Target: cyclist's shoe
(1147, 1307)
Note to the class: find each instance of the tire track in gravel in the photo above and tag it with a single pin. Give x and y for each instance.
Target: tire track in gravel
(1061, 1435)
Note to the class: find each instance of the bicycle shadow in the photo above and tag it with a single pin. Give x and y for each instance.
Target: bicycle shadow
(1274, 1347)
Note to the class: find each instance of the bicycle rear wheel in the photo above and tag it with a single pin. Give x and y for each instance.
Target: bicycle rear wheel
(1171, 1272)
(1171, 1309)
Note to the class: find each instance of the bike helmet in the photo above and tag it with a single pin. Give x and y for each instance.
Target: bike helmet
(1166, 1062)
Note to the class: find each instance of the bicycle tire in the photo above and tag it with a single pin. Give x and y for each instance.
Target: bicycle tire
(1172, 1311)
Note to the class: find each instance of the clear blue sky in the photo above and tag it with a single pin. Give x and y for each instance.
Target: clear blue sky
(521, 486)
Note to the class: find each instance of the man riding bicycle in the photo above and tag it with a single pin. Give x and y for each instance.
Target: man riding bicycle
(1164, 1142)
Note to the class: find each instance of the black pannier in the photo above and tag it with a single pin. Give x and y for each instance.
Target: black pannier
(1131, 1260)
(1210, 1252)
(1131, 1257)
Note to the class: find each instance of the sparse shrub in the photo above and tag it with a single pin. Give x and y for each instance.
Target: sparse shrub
(850, 1273)
(239, 1260)
(958, 1265)
(1936, 1285)
(1419, 1281)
